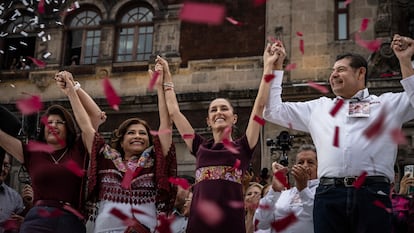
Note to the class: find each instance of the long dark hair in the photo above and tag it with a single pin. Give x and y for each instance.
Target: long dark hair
(71, 127)
(118, 134)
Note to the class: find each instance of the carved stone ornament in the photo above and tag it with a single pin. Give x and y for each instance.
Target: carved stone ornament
(41, 79)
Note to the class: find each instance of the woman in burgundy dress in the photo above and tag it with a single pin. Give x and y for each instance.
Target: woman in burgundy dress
(222, 160)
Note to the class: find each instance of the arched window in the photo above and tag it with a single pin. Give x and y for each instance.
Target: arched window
(83, 39)
(135, 35)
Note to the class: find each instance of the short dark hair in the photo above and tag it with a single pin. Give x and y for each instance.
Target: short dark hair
(356, 61)
(306, 147)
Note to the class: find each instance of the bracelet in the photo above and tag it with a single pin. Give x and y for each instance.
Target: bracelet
(168, 88)
(77, 86)
(168, 84)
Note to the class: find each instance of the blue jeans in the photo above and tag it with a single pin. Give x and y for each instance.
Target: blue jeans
(64, 223)
(339, 209)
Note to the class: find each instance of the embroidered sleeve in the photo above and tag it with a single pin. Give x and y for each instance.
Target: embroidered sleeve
(98, 143)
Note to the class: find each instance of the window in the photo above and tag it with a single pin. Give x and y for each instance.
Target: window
(341, 20)
(135, 35)
(83, 39)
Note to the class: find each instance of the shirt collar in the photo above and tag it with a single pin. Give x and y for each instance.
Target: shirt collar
(360, 95)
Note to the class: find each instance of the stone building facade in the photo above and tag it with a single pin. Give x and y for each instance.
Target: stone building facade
(119, 39)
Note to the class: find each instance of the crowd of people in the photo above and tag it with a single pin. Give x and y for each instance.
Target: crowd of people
(345, 186)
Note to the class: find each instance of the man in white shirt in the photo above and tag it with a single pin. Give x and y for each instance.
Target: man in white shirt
(279, 202)
(346, 144)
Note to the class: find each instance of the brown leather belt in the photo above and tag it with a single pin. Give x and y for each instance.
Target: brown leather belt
(349, 181)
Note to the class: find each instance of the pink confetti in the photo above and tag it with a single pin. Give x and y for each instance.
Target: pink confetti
(338, 105)
(211, 213)
(336, 137)
(347, 2)
(137, 211)
(364, 25)
(257, 3)
(376, 127)
(41, 7)
(290, 66)
(39, 146)
(206, 13)
(398, 136)
(272, 39)
(164, 223)
(281, 177)
(73, 211)
(372, 45)
(281, 224)
(302, 46)
(233, 21)
(74, 168)
(360, 180)
(236, 204)
(111, 96)
(38, 62)
(188, 136)
(46, 214)
(118, 213)
(160, 132)
(381, 205)
(229, 146)
(183, 183)
(269, 77)
(259, 120)
(153, 80)
(300, 34)
(30, 105)
(237, 164)
(318, 87)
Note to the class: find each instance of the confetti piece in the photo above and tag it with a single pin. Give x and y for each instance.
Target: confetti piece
(38, 62)
(237, 164)
(336, 137)
(372, 45)
(269, 77)
(210, 212)
(30, 105)
(398, 136)
(302, 46)
(382, 206)
(229, 146)
(386, 75)
(364, 25)
(160, 132)
(212, 14)
(257, 3)
(46, 55)
(153, 80)
(126, 181)
(183, 183)
(188, 136)
(300, 34)
(376, 127)
(281, 224)
(233, 21)
(164, 225)
(137, 211)
(74, 168)
(118, 213)
(236, 204)
(73, 211)
(46, 214)
(338, 105)
(360, 180)
(281, 177)
(318, 87)
(39, 146)
(291, 66)
(347, 2)
(259, 120)
(111, 96)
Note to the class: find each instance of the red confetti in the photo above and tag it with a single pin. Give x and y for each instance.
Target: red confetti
(381, 205)
(398, 136)
(74, 168)
(38, 62)
(302, 46)
(126, 181)
(256, 223)
(164, 225)
(257, 3)
(281, 224)
(290, 66)
(386, 75)
(281, 177)
(118, 213)
(111, 96)
(299, 34)
(236, 204)
(30, 105)
(212, 14)
(259, 120)
(73, 211)
(372, 45)
(229, 146)
(41, 7)
(153, 80)
(53, 131)
(347, 2)
(364, 25)
(336, 137)
(211, 213)
(39, 146)
(269, 77)
(376, 127)
(338, 105)
(360, 180)
(137, 211)
(188, 136)
(160, 132)
(318, 87)
(233, 21)
(183, 183)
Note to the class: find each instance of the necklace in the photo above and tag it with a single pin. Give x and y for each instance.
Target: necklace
(56, 161)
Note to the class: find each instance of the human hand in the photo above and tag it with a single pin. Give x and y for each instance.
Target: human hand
(276, 184)
(27, 195)
(405, 183)
(269, 56)
(280, 50)
(64, 80)
(403, 47)
(301, 174)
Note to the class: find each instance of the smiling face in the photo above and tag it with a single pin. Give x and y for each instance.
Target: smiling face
(56, 125)
(135, 140)
(220, 115)
(346, 81)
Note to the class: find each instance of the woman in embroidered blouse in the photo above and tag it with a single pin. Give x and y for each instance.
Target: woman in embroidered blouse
(218, 180)
(58, 192)
(150, 160)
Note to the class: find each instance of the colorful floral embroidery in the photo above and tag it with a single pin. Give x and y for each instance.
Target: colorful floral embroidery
(218, 172)
(144, 160)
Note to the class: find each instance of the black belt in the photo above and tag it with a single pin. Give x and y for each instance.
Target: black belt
(349, 181)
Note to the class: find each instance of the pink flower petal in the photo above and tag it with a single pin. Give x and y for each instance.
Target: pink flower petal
(236, 204)
(281, 177)
(41, 7)
(281, 224)
(233, 21)
(229, 146)
(153, 80)
(376, 127)
(360, 180)
(118, 213)
(210, 212)
(364, 25)
(164, 223)
(137, 211)
(259, 120)
(164, 131)
(39, 146)
(318, 87)
(183, 183)
(373, 45)
(30, 105)
(290, 66)
(206, 13)
(338, 105)
(188, 136)
(398, 137)
(302, 46)
(237, 164)
(336, 137)
(74, 168)
(111, 96)
(269, 77)
(38, 62)
(381, 205)
(300, 34)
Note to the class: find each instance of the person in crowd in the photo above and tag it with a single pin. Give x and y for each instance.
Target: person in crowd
(264, 176)
(251, 202)
(298, 200)
(57, 190)
(179, 224)
(149, 160)
(349, 145)
(405, 183)
(222, 160)
(24, 65)
(11, 203)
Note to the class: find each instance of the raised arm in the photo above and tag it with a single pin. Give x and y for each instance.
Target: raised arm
(165, 128)
(81, 116)
(273, 57)
(404, 49)
(183, 126)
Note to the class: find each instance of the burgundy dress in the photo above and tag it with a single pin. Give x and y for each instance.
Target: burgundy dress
(217, 182)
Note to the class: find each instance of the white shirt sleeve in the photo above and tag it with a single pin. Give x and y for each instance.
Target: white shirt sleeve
(264, 214)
